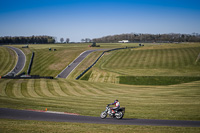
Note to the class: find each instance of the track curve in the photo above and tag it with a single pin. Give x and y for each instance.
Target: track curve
(6, 113)
(20, 61)
(75, 63)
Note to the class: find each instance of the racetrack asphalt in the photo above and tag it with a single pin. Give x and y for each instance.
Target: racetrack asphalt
(20, 61)
(6, 113)
(75, 63)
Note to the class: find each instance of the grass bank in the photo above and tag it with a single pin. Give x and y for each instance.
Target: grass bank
(151, 60)
(174, 102)
(8, 59)
(22, 126)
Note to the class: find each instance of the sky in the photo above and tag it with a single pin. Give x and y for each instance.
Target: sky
(79, 19)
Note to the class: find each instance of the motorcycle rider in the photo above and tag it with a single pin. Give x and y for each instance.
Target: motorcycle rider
(117, 106)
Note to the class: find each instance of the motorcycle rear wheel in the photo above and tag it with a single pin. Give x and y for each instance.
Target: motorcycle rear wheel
(119, 115)
(103, 115)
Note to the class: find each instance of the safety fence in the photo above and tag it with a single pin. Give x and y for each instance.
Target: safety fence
(30, 64)
(28, 76)
(78, 77)
(22, 76)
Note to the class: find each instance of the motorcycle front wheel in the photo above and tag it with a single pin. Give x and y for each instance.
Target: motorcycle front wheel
(103, 115)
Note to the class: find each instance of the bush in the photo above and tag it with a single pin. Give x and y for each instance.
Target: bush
(156, 80)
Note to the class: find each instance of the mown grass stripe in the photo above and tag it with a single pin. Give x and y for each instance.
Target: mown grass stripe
(130, 58)
(9, 89)
(40, 62)
(195, 53)
(102, 88)
(120, 61)
(134, 59)
(64, 88)
(43, 70)
(185, 56)
(180, 58)
(2, 57)
(94, 76)
(3, 86)
(57, 88)
(7, 60)
(51, 88)
(101, 78)
(17, 89)
(190, 56)
(116, 59)
(31, 88)
(24, 90)
(141, 60)
(89, 89)
(37, 88)
(169, 58)
(72, 89)
(149, 58)
(44, 88)
(153, 59)
(95, 90)
(82, 88)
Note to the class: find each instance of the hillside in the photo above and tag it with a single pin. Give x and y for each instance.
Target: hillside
(152, 60)
(101, 85)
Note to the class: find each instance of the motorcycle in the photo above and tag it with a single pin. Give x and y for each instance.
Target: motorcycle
(118, 113)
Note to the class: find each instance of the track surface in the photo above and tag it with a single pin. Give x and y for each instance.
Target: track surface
(75, 63)
(45, 116)
(20, 62)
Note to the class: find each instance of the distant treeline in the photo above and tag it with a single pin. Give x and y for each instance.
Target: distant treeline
(133, 37)
(27, 40)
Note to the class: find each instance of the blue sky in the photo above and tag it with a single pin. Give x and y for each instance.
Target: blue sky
(77, 19)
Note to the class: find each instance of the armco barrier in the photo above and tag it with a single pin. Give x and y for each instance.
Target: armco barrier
(30, 64)
(78, 77)
(27, 77)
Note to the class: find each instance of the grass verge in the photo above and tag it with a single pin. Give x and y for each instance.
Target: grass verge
(24, 126)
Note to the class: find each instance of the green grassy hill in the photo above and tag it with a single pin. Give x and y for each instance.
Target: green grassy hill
(171, 60)
(7, 60)
(176, 102)
(101, 85)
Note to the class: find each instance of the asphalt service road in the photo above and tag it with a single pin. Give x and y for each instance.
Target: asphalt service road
(20, 61)
(6, 113)
(65, 73)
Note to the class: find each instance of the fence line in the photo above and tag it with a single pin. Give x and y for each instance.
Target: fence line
(30, 64)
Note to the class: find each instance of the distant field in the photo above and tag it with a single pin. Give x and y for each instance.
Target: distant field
(7, 60)
(51, 63)
(151, 60)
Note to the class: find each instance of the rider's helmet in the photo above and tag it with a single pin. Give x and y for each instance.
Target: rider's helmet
(116, 100)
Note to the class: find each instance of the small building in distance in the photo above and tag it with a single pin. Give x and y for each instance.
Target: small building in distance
(124, 41)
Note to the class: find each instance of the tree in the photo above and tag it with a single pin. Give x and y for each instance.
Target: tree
(61, 40)
(82, 40)
(87, 40)
(67, 40)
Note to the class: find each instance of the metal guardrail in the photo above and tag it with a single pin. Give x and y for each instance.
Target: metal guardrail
(30, 64)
